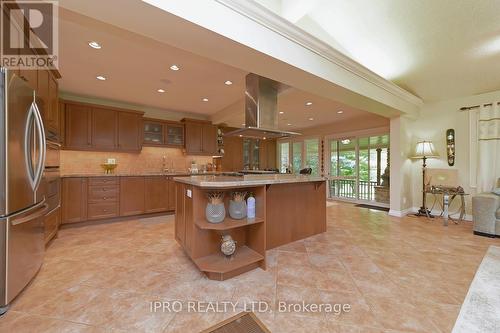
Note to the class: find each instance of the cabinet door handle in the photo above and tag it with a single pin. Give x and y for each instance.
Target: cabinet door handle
(104, 198)
(105, 210)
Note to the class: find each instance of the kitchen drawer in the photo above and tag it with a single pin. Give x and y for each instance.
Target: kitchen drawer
(104, 189)
(103, 181)
(51, 224)
(103, 193)
(102, 210)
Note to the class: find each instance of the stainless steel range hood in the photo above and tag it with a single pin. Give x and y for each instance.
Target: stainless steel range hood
(261, 110)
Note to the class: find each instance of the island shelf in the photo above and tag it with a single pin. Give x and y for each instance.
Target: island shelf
(288, 208)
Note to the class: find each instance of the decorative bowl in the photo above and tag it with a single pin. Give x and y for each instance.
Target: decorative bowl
(109, 168)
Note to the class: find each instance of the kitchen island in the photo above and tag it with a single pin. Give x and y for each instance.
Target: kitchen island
(288, 208)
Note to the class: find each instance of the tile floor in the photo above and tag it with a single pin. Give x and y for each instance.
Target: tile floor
(398, 275)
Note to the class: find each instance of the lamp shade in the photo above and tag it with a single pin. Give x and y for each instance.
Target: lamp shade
(425, 149)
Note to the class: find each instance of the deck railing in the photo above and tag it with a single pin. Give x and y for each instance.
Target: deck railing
(346, 188)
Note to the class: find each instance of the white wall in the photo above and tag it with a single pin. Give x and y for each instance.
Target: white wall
(432, 123)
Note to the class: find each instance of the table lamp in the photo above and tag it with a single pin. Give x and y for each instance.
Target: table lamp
(424, 150)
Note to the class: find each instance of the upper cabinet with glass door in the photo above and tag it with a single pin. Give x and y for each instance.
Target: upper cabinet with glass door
(153, 133)
(163, 133)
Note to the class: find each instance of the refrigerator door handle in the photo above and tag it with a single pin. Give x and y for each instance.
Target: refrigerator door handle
(41, 210)
(43, 146)
(34, 123)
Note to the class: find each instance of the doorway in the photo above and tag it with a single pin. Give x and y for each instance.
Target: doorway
(358, 169)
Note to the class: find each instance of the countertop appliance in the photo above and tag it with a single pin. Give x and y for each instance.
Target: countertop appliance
(22, 197)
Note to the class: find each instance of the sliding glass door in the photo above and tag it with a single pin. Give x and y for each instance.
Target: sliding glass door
(358, 168)
(296, 155)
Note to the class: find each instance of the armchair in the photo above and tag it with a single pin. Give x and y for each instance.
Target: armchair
(486, 214)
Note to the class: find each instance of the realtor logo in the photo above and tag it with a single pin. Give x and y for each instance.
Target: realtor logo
(29, 34)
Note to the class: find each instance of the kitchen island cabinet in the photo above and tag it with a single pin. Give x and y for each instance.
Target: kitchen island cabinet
(288, 208)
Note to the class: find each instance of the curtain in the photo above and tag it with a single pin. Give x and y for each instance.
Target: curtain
(488, 136)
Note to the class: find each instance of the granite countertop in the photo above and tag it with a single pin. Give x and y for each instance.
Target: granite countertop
(143, 174)
(246, 180)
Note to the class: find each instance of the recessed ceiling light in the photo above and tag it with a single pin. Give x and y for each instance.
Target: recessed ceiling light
(263, 138)
(228, 83)
(281, 112)
(101, 78)
(175, 67)
(95, 45)
(288, 124)
(161, 90)
(309, 103)
(205, 99)
(241, 135)
(311, 118)
(339, 112)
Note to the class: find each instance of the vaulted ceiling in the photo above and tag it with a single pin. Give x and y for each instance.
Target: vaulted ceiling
(435, 49)
(135, 68)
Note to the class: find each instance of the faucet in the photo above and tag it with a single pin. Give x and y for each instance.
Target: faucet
(164, 164)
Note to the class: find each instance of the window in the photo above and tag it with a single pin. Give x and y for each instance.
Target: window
(297, 156)
(312, 155)
(284, 156)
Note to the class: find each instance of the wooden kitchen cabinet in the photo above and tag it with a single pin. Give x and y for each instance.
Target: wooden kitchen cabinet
(91, 127)
(200, 137)
(129, 131)
(51, 224)
(232, 160)
(98, 198)
(267, 154)
(53, 122)
(30, 76)
(163, 133)
(49, 106)
(156, 194)
(103, 196)
(194, 134)
(104, 129)
(78, 122)
(132, 196)
(171, 193)
(180, 213)
(74, 199)
(153, 132)
(174, 135)
(209, 139)
(42, 92)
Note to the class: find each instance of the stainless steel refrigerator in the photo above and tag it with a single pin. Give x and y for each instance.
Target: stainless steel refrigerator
(22, 201)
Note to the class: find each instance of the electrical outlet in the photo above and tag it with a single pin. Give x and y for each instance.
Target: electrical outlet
(189, 193)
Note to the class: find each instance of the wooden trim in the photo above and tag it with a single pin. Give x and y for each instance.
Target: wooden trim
(166, 121)
(192, 120)
(114, 219)
(100, 106)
